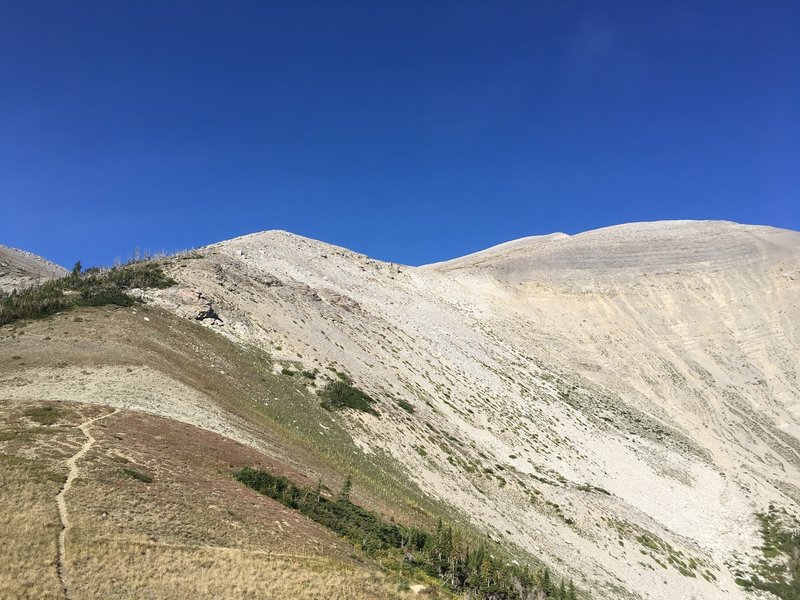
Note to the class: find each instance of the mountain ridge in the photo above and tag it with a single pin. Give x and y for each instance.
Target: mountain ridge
(19, 268)
(445, 316)
(634, 240)
(572, 415)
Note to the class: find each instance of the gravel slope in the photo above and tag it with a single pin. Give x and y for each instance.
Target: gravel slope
(657, 362)
(21, 269)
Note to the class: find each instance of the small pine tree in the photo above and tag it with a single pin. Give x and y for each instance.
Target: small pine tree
(318, 491)
(547, 585)
(344, 492)
(571, 591)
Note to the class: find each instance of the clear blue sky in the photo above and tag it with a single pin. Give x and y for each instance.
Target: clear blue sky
(410, 131)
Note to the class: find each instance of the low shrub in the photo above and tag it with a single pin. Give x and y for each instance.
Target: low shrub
(340, 394)
(44, 415)
(778, 574)
(406, 406)
(137, 475)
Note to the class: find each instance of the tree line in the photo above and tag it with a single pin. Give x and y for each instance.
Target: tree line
(471, 569)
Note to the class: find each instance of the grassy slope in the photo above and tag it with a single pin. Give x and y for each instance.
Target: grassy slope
(279, 410)
(192, 531)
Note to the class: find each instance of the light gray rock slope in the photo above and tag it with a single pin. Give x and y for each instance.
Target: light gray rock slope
(620, 402)
(20, 269)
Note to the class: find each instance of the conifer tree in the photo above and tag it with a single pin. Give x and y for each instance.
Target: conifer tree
(571, 591)
(344, 492)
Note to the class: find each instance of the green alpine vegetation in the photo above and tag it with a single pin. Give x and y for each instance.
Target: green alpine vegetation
(779, 569)
(341, 394)
(443, 554)
(44, 415)
(93, 287)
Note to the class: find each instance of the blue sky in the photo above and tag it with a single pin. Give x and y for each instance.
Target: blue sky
(410, 131)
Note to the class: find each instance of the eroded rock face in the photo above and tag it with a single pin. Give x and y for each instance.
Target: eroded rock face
(189, 303)
(339, 300)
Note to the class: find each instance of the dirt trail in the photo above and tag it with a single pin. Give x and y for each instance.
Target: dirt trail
(61, 498)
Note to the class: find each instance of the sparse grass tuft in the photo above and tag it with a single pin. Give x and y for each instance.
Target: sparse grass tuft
(406, 406)
(587, 487)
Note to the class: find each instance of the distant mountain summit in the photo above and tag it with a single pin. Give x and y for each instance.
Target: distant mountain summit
(19, 268)
(634, 249)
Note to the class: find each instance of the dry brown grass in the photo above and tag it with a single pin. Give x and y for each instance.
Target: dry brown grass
(151, 570)
(192, 532)
(29, 528)
(31, 473)
(76, 346)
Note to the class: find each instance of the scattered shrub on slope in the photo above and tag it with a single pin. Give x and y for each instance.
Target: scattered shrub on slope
(137, 475)
(340, 394)
(45, 415)
(94, 287)
(779, 569)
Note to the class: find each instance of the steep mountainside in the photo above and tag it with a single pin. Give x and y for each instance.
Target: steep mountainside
(621, 404)
(20, 269)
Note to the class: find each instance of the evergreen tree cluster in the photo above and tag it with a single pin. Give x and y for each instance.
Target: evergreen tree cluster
(442, 553)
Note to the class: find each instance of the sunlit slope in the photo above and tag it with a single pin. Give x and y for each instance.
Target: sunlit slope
(573, 394)
(153, 513)
(191, 407)
(696, 323)
(21, 269)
